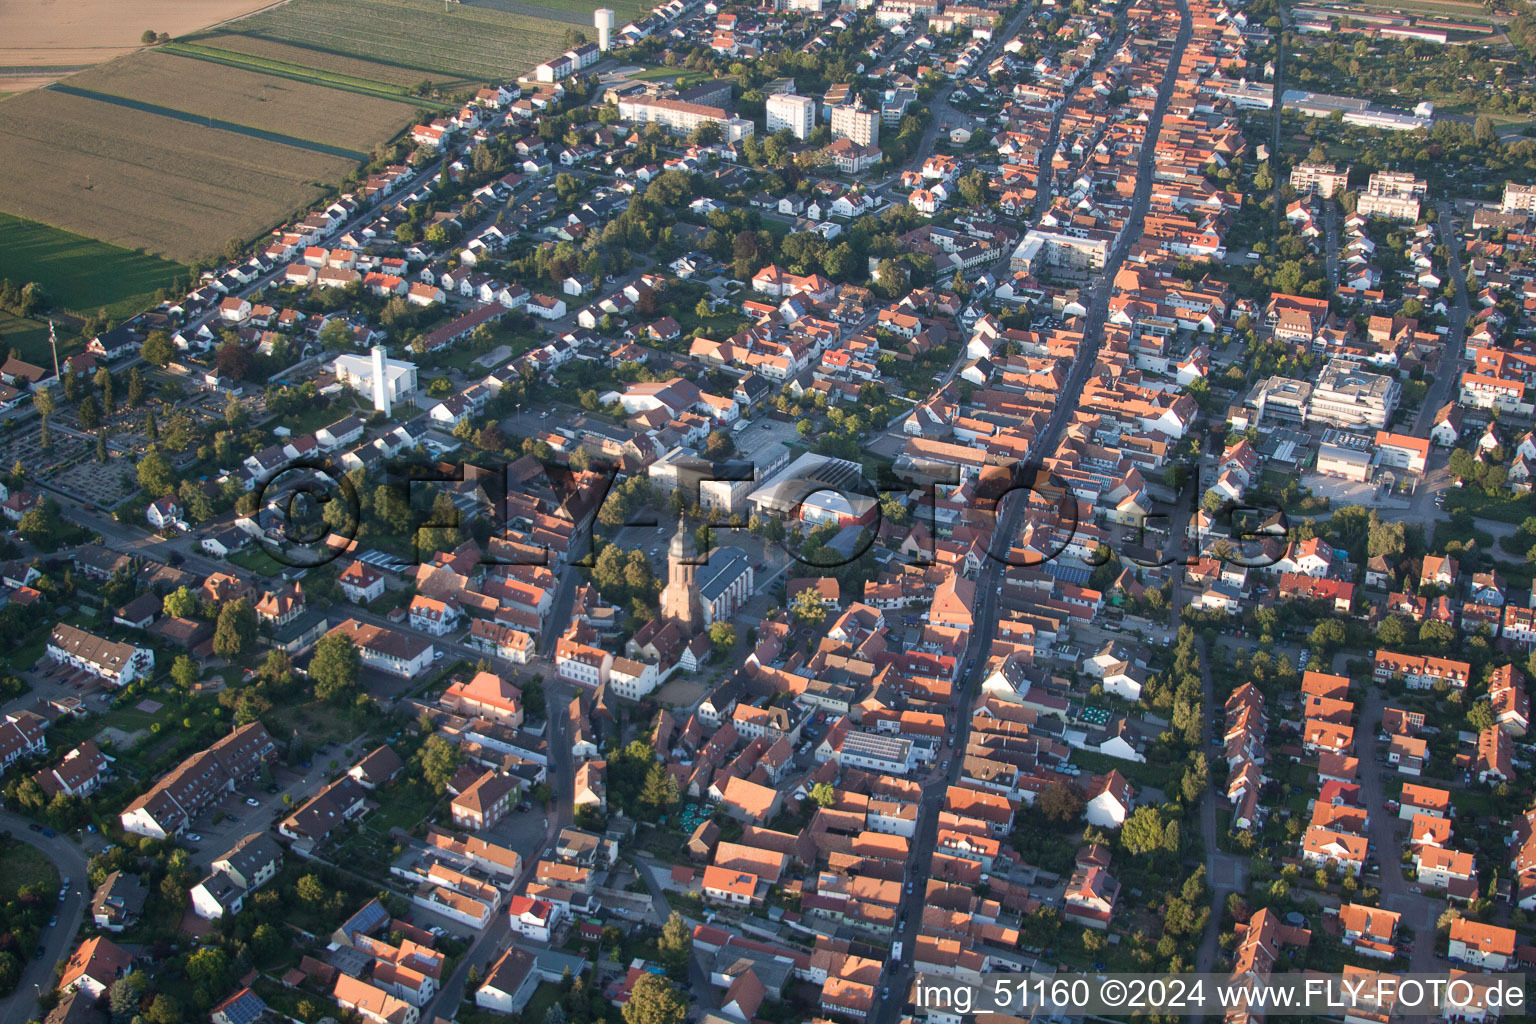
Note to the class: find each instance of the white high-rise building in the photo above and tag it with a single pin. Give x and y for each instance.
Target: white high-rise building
(602, 18)
(852, 121)
(797, 113)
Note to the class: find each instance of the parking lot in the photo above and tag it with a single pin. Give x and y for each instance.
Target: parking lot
(762, 433)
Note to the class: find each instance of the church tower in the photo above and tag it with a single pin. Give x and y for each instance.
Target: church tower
(680, 597)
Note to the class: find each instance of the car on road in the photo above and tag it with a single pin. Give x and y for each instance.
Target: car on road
(251, 801)
(50, 833)
(437, 655)
(35, 827)
(193, 837)
(53, 920)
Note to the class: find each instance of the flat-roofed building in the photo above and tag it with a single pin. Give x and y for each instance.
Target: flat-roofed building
(1349, 395)
(796, 113)
(1319, 179)
(680, 118)
(1392, 194)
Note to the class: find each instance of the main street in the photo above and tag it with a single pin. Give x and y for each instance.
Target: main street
(1009, 514)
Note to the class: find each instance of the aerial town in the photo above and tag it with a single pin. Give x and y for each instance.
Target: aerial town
(785, 498)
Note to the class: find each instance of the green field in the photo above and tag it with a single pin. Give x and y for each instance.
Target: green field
(577, 12)
(24, 864)
(299, 73)
(29, 337)
(421, 35)
(81, 274)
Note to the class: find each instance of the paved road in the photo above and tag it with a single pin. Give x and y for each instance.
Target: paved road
(1386, 834)
(58, 941)
(1331, 241)
(1442, 386)
(989, 583)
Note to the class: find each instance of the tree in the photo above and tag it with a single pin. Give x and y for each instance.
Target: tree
(335, 668)
(163, 1009)
(823, 795)
(1328, 635)
(439, 760)
(1195, 777)
(1143, 832)
(135, 387)
(39, 527)
(157, 348)
(155, 474)
(806, 607)
(234, 360)
(266, 943)
(148, 37)
(208, 967)
(89, 412)
(103, 381)
(124, 997)
(1060, 802)
(42, 401)
(1484, 132)
(675, 946)
(311, 890)
(184, 673)
(235, 632)
(180, 603)
(336, 334)
(891, 278)
(653, 1000)
(1480, 716)
(660, 791)
(723, 636)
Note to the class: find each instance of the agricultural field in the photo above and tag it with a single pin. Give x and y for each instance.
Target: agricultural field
(269, 52)
(142, 181)
(39, 42)
(78, 274)
(430, 39)
(316, 113)
(577, 12)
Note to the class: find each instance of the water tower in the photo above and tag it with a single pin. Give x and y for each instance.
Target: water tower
(603, 19)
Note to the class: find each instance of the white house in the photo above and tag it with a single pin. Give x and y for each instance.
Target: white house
(1110, 801)
(163, 513)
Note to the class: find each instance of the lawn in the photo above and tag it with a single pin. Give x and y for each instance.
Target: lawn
(76, 273)
(29, 337)
(1505, 510)
(258, 561)
(25, 865)
(684, 78)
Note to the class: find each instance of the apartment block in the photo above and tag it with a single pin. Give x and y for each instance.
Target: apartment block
(797, 113)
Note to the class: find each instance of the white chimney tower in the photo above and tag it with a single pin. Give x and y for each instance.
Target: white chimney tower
(381, 401)
(603, 19)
